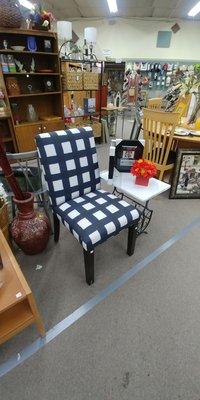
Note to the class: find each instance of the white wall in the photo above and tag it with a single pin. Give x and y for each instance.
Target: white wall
(134, 39)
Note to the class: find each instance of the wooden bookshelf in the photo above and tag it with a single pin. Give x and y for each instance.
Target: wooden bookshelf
(17, 305)
(77, 96)
(33, 94)
(47, 103)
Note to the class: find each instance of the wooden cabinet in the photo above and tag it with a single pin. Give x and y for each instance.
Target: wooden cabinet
(25, 134)
(40, 88)
(53, 126)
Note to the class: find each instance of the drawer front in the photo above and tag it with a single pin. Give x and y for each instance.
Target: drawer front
(53, 126)
(25, 136)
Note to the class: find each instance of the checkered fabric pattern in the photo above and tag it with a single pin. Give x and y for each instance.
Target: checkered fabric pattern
(71, 171)
(69, 162)
(94, 217)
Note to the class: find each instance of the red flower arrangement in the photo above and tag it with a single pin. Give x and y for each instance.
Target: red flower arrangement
(143, 170)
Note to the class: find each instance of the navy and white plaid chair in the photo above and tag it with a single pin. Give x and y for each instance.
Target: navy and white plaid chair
(70, 166)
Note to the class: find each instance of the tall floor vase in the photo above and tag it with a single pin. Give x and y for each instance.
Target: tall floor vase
(30, 228)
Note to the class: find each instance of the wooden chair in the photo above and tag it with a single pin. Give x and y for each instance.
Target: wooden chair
(182, 105)
(154, 104)
(158, 132)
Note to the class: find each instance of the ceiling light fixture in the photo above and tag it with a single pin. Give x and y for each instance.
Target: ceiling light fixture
(27, 4)
(195, 10)
(112, 4)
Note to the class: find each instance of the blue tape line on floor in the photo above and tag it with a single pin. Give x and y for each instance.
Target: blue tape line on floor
(33, 348)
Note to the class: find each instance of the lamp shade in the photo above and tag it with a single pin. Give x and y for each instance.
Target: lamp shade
(64, 30)
(90, 34)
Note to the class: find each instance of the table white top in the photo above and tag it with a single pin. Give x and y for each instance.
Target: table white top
(125, 183)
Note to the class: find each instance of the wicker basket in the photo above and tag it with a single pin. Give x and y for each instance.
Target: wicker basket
(10, 14)
(72, 80)
(90, 81)
(12, 86)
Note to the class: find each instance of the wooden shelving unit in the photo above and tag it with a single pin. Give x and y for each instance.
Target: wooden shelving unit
(47, 103)
(30, 73)
(6, 123)
(17, 305)
(78, 96)
(33, 94)
(33, 53)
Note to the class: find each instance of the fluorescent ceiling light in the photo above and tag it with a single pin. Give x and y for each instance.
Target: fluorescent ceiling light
(112, 4)
(27, 4)
(195, 10)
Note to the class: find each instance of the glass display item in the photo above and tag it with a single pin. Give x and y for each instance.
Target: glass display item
(31, 114)
(47, 45)
(31, 43)
(16, 114)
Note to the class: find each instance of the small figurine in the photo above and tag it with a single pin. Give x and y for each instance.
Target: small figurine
(20, 66)
(30, 88)
(28, 23)
(5, 44)
(32, 70)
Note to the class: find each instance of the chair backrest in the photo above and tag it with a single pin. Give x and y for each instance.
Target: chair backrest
(69, 162)
(155, 103)
(158, 132)
(182, 105)
(27, 170)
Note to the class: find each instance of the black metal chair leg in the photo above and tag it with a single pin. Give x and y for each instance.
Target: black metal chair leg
(56, 224)
(89, 266)
(132, 234)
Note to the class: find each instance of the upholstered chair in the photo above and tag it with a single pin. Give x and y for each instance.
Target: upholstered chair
(92, 215)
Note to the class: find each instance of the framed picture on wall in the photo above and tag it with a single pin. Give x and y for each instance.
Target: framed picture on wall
(186, 177)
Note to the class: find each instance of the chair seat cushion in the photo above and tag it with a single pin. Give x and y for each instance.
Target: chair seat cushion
(96, 216)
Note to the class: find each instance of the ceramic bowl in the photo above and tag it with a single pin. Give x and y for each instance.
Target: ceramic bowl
(18, 48)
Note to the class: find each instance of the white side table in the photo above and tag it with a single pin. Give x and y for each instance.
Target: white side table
(124, 186)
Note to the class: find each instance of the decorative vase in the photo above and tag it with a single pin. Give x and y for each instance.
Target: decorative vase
(4, 221)
(31, 114)
(141, 180)
(10, 14)
(30, 229)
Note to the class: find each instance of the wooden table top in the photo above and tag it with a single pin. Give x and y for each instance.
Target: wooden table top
(189, 138)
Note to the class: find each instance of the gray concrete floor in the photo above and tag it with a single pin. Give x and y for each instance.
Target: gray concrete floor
(142, 342)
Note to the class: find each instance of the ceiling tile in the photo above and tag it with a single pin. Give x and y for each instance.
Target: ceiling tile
(162, 12)
(94, 12)
(135, 3)
(136, 11)
(91, 3)
(165, 4)
(127, 8)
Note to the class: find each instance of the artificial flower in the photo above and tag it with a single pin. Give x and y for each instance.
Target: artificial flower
(143, 168)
